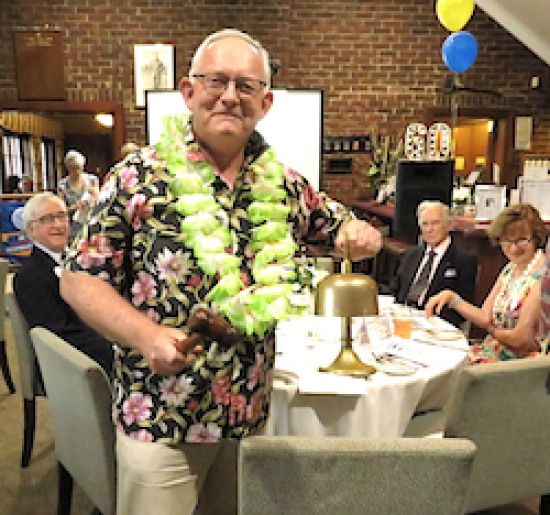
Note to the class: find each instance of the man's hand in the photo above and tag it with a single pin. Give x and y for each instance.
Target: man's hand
(363, 239)
(172, 351)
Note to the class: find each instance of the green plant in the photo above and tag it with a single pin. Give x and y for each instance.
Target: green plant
(386, 152)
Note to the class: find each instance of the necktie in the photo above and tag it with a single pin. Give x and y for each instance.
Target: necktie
(421, 283)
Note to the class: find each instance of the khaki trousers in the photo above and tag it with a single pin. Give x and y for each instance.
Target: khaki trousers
(162, 479)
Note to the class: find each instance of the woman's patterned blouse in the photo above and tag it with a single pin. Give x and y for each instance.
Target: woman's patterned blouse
(133, 241)
(506, 311)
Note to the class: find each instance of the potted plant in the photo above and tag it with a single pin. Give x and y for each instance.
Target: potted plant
(381, 173)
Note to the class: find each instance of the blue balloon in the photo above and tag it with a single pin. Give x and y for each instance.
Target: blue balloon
(459, 51)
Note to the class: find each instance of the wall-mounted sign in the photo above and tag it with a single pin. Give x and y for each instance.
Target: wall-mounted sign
(39, 65)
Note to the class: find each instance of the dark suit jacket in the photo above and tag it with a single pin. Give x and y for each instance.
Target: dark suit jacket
(36, 289)
(456, 271)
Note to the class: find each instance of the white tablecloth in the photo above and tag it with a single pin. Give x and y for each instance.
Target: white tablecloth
(310, 403)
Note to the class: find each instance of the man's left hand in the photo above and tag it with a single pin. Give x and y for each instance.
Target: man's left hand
(363, 239)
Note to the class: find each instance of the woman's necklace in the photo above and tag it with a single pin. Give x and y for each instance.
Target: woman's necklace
(256, 308)
(513, 287)
(529, 268)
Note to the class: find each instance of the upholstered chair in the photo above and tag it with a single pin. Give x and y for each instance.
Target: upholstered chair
(29, 375)
(79, 398)
(353, 476)
(504, 408)
(4, 268)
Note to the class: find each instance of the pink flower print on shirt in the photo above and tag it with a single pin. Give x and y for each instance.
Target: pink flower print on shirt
(136, 408)
(237, 410)
(256, 373)
(138, 209)
(143, 289)
(291, 175)
(312, 199)
(118, 258)
(199, 433)
(94, 252)
(175, 389)
(194, 280)
(221, 390)
(254, 409)
(141, 436)
(172, 265)
(151, 314)
(150, 157)
(128, 177)
(192, 405)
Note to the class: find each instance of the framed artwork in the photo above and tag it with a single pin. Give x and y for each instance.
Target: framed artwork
(489, 200)
(153, 69)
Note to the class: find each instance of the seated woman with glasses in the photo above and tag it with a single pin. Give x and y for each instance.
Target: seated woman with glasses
(521, 234)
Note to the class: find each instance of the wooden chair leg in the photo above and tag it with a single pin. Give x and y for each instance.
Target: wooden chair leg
(5, 367)
(29, 416)
(65, 490)
(544, 508)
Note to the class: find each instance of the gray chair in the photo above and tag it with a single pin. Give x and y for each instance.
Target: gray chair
(4, 365)
(79, 397)
(353, 476)
(29, 375)
(504, 408)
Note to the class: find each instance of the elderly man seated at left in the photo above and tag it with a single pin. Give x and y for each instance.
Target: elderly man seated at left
(36, 285)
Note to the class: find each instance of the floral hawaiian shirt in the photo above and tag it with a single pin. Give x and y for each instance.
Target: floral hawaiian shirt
(133, 241)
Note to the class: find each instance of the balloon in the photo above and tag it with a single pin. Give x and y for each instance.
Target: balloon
(459, 51)
(454, 14)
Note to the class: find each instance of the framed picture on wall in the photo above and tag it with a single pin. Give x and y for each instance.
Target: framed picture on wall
(153, 69)
(490, 200)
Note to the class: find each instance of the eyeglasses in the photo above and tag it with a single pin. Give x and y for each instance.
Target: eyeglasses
(520, 242)
(217, 83)
(50, 218)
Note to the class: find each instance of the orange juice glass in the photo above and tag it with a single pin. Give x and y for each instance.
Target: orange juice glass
(402, 327)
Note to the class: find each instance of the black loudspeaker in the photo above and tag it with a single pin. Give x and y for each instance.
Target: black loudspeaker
(418, 181)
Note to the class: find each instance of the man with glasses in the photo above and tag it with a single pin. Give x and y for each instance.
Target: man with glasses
(438, 264)
(36, 286)
(206, 216)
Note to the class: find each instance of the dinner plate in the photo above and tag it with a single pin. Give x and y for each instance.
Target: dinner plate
(392, 366)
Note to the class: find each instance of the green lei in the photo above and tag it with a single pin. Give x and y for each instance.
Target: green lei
(258, 307)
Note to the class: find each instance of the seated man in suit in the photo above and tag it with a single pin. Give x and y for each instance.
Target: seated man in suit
(36, 285)
(436, 265)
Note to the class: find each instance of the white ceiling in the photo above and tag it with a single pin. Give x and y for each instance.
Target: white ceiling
(527, 20)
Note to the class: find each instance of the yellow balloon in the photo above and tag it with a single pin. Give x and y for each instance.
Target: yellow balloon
(454, 14)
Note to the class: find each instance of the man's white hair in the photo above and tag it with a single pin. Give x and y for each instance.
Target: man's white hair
(233, 33)
(428, 204)
(34, 204)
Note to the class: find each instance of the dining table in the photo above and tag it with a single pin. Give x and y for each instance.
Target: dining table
(412, 375)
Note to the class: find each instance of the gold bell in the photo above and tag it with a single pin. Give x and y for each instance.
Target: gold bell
(347, 295)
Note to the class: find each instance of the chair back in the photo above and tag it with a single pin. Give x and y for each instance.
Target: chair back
(29, 373)
(79, 396)
(401, 476)
(504, 408)
(4, 269)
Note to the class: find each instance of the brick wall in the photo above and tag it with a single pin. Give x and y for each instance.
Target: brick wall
(378, 61)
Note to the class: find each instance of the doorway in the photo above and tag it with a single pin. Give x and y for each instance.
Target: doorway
(58, 126)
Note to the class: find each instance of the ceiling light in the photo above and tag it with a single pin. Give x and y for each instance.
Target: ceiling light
(105, 119)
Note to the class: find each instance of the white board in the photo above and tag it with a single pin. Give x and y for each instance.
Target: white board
(293, 125)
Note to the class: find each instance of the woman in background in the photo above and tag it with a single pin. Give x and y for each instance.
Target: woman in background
(521, 234)
(78, 189)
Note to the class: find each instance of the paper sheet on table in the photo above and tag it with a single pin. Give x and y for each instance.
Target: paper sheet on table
(424, 353)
